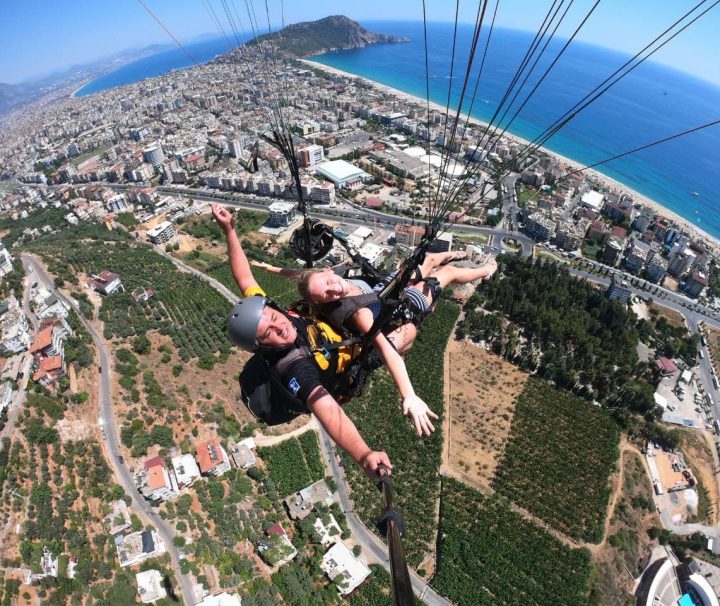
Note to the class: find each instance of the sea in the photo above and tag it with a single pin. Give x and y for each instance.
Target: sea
(651, 103)
(157, 64)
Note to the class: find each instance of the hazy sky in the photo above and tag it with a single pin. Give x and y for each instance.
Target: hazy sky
(42, 36)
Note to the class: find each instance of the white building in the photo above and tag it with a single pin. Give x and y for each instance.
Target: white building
(14, 328)
(153, 154)
(161, 233)
(322, 193)
(212, 458)
(116, 204)
(221, 599)
(311, 155)
(236, 148)
(5, 395)
(138, 547)
(150, 586)
(343, 568)
(155, 482)
(119, 517)
(186, 469)
(328, 534)
(142, 172)
(341, 173)
(592, 200)
(282, 214)
(5, 261)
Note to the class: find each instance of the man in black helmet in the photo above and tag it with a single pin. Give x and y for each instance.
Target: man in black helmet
(257, 325)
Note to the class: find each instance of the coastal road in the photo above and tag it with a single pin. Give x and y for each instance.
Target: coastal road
(661, 295)
(355, 215)
(370, 542)
(110, 434)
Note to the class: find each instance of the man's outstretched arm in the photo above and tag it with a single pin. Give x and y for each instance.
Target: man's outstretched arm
(238, 261)
(344, 433)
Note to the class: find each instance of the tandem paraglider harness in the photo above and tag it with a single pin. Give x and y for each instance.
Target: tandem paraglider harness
(347, 360)
(336, 354)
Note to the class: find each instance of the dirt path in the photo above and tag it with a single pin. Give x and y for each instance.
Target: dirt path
(625, 447)
(262, 440)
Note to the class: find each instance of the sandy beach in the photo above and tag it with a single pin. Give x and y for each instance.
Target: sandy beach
(603, 179)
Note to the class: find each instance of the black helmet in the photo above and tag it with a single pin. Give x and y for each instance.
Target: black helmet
(321, 241)
(243, 322)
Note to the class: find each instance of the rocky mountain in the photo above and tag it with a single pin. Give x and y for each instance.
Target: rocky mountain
(317, 37)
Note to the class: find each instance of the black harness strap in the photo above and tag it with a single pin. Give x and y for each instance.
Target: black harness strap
(339, 312)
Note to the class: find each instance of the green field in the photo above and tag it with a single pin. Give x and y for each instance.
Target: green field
(184, 306)
(294, 464)
(490, 555)
(558, 459)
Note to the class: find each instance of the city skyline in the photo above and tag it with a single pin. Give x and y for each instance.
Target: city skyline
(51, 37)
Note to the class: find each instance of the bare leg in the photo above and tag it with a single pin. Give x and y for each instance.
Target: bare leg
(449, 274)
(435, 260)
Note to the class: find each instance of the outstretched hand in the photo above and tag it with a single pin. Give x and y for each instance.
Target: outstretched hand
(420, 414)
(222, 216)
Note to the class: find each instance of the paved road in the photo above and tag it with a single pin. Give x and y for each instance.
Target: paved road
(372, 545)
(704, 368)
(18, 398)
(219, 286)
(29, 280)
(509, 201)
(355, 215)
(110, 434)
(674, 299)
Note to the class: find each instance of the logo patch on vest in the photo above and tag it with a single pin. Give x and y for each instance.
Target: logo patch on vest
(294, 386)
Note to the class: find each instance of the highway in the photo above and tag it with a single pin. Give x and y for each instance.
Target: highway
(110, 434)
(355, 215)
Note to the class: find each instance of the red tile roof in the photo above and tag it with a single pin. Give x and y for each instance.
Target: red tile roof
(276, 530)
(156, 460)
(619, 232)
(666, 365)
(156, 477)
(209, 455)
(42, 339)
(47, 365)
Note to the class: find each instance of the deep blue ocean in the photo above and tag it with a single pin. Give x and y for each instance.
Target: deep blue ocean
(652, 103)
(156, 65)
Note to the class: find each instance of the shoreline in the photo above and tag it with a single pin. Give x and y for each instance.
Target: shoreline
(609, 182)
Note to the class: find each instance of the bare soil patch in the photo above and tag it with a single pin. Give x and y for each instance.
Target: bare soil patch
(674, 318)
(81, 420)
(194, 391)
(714, 346)
(481, 390)
(189, 243)
(697, 446)
(627, 546)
